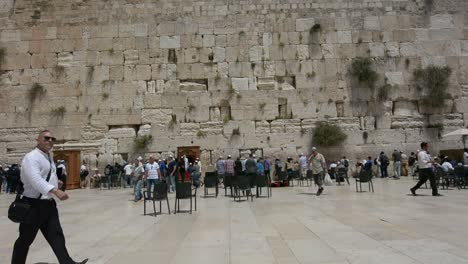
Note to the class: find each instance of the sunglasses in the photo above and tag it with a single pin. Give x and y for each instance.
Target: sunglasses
(50, 139)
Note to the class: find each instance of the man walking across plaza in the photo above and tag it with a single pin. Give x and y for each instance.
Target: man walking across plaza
(40, 181)
(319, 168)
(425, 171)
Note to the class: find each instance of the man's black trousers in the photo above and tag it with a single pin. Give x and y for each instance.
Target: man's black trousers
(49, 224)
(424, 175)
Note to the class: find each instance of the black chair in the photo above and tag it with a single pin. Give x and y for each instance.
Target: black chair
(364, 176)
(210, 181)
(309, 177)
(185, 191)
(332, 172)
(103, 180)
(261, 181)
(460, 176)
(229, 182)
(342, 175)
(159, 194)
(243, 185)
(114, 180)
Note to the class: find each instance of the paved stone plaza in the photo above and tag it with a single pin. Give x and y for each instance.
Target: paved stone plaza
(294, 226)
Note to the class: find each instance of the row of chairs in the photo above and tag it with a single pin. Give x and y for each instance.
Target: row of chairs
(184, 191)
(239, 185)
(458, 178)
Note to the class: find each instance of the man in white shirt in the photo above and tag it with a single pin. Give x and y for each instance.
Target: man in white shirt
(151, 175)
(446, 165)
(465, 156)
(63, 173)
(128, 175)
(37, 166)
(303, 164)
(425, 171)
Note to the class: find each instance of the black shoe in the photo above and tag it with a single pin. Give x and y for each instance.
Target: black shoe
(320, 190)
(437, 194)
(82, 262)
(413, 191)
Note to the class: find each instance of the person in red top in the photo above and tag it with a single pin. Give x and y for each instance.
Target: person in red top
(229, 166)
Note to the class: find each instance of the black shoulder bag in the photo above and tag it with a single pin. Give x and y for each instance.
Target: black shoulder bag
(21, 210)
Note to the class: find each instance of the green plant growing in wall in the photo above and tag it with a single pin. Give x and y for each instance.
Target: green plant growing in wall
(58, 112)
(35, 91)
(361, 69)
(236, 132)
(311, 75)
(262, 106)
(2, 56)
(383, 92)
(201, 134)
(105, 96)
(142, 142)
(328, 135)
(172, 122)
(435, 80)
(315, 28)
(191, 107)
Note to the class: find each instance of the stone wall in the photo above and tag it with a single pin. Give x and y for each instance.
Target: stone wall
(228, 76)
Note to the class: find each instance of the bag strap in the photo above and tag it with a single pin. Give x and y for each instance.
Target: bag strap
(48, 175)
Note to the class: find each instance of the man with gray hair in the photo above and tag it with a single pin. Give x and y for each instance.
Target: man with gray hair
(319, 168)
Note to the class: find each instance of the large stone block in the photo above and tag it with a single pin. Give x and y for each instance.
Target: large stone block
(169, 42)
(121, 133)
(441, 21)
(100, 44)
(156, 116)
(304, 24)
(16, 61)
(405, 108)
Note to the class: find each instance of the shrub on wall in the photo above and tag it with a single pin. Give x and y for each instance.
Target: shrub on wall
(361, 69)
(435, 80)
(328, 135)
(35, 91)
(141, 142)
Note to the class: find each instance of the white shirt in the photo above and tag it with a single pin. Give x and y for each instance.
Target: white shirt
(465, 158)
(446, 166)
(64, 169)
(34, 170)
(82, 168)
(153, 171)
(128, 169)
(424, 160)
(303, 162)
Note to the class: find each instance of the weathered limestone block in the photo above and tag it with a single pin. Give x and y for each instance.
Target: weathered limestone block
(385, 136)
(446, 108)
(156, 116)
(189, 129)
(262, 127)
(131, 56)
(344, 37)
(16, 61)
(383, 122)
(377, 49)
(169, 42)
(405, 108)
(251, 112)
(44, 60)
(172, 86)
(409, 49)
(110, 58)
(346, 123)
(240, 84)
(219, 54)
(100, 44)
(212, 128)
(441, 21)
(192, 87)
(395, 78)
(447, 120)
(404, 122)
(304, 110)
(198, 114)
(371, 23)
(152, 101)
(304, 24)
(392, 49)
(461, 105)
(121, 133)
